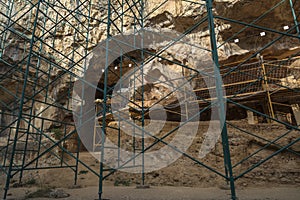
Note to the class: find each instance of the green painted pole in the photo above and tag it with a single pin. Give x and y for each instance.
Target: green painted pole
(221, 100)
(143, 96)
(32, 111)
(295, 17)
(20, 115)
(101, 179)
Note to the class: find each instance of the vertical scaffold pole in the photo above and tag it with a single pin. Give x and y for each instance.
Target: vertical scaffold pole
(220, 99)
(20, 114)
(104, 100)
(143, 97)
(294, 17)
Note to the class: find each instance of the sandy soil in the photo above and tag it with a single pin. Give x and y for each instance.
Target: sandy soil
(168, 193)
(277, 179)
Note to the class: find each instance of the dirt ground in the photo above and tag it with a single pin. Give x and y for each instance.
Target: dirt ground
(167, 193)
(277, 179)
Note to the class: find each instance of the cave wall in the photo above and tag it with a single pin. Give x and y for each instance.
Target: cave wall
(174, 15)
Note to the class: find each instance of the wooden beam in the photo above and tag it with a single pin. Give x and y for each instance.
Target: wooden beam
(296, 111)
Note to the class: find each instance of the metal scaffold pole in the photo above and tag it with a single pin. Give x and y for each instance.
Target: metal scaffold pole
(221, 100)
(295, 17)
(105, 98)
(21, 105)
(156, 59)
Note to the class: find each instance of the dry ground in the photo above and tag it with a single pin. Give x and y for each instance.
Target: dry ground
(277, 179)
(168, 193)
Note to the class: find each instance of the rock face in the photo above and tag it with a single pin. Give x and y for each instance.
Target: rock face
(64, 34)
(184, 172)
(79, 34)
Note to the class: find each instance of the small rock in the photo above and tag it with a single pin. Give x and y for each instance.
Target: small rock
(284, 180)
(224, 187)
(58, 193)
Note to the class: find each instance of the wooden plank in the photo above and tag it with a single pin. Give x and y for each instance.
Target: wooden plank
(251, 117)
(296, 111)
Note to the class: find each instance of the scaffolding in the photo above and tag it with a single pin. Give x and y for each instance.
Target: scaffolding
(41, 117)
